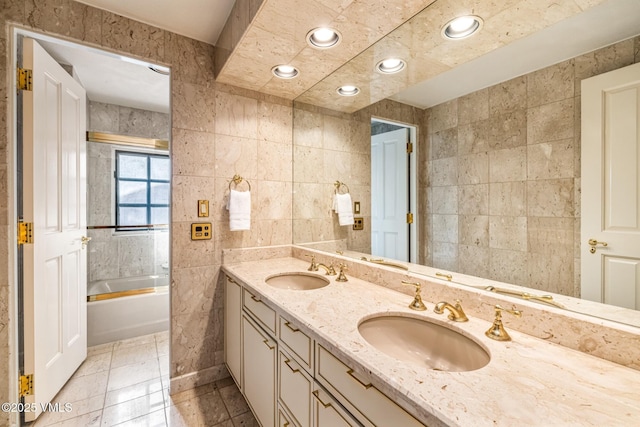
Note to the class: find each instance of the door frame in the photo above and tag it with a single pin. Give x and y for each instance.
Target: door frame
(13, 129)
(413, 183)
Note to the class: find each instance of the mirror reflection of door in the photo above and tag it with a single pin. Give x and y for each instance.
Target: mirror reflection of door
(393, 187)
(610, 225)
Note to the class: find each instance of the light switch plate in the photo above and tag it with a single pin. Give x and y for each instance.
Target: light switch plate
(201, 231)
(203, 208)
(356, 207)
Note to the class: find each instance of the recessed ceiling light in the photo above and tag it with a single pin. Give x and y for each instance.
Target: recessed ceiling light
(390, 65)
(285, 71)
(461, 27)
(323, 38)
(348, 90)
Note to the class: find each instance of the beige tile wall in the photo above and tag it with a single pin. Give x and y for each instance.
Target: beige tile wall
(217, 131)
(330, 146)
(504, 181)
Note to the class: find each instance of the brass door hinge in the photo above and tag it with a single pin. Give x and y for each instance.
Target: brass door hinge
(24, 79)
(409, 218)
(25, 232)
(409, 147)
(26, 385)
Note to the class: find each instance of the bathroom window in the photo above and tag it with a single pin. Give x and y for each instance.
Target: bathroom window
(142, 189)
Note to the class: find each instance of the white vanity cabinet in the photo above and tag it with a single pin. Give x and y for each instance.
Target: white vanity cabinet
(370, 406)
(291, 380)
(233, 328)
(259, 352)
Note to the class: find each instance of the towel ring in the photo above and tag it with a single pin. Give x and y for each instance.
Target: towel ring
(237, 179)
(339, 185)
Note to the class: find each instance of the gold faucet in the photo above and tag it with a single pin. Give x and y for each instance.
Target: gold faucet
(314, 265)
(455, 313)
(329, 269)
(341, 277)
(497, 331)
(417, 303)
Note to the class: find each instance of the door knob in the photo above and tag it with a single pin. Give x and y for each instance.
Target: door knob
(593, 243)
(85, 241)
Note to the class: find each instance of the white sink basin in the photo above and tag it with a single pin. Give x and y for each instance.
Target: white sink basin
(423, 343)
(297, 281)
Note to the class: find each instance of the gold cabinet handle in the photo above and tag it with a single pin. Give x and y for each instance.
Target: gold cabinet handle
(366, 386)
(288, 325)
(288, 363)
(255, 298)
(85, 241)
(593, 243)
(271, 347)
(316, 394)
(446, 276)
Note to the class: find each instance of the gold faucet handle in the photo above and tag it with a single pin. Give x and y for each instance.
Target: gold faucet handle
(314, 265)
(341, 277)
(417, 303)
(497, 331)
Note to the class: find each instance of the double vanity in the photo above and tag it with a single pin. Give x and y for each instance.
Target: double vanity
(308, 350)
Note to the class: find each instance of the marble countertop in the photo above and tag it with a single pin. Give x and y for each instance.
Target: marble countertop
(528, 381)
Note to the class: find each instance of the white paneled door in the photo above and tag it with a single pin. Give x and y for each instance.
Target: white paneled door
(390, 195)
(610, 224)
(54, 190)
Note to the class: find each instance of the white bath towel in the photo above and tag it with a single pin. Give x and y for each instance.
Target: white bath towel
(239, 210)
(344, 208)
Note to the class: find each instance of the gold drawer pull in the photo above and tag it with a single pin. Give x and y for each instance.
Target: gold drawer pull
(255, 298)
(316, 394)
(287, 362)
(366, 386)
(266, 342)
(288, 325)
(231, 280)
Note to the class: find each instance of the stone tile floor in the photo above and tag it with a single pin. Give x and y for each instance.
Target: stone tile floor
(126, 383)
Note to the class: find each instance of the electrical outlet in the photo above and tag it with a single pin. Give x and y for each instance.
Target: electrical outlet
(201, 231)
(358, 223)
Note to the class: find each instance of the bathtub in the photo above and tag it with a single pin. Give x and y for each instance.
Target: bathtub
(126, 308)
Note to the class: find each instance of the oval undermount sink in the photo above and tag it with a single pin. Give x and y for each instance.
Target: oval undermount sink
(423, 343)
(298, 281)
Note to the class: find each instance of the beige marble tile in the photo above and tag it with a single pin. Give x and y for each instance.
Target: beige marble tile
(444, 171)
(134, 373)
(133, 409)
(100, 349)
(84, 387)
(193, 107)
(445, 255)
(236, 115)
(94, 364)
(134, 342)
(124, 34)
(473, 199)
(508, 130)
(551, 122)
(473, 107)
(196, 335)
(192, 153)
(508, 96)
(87, 410)
(192, 60)
(134, 391)
(309, 164)
(473, 169)
(474, 260)
(552, 197)
(603, 60)
(275, 161)
(186, 191)
(67, 18)
(233, 400)
(205, 409)
(443, 116)
(307, 128)
(92, 419)
(131, 355)
(474, 230)
(360, 169)
(508, 165)
(508, 198)
(443, 143)
(551, 273)
(199, 291)
(275, 122)
(444, 200)
(508, 266)
(336, 134)
(551, 84)
(274, 200)
(445, 228)
(551, 160)
(188, 253)
(473, 137)
(236, 155)
(508, 232)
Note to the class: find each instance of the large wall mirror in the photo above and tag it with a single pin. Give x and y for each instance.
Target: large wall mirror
(496, 126)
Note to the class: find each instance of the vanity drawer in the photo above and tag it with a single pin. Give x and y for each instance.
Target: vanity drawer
(375, 407)
(294, 390)
(260, 311)
(299, 342)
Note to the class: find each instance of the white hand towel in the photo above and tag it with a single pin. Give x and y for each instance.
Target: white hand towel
(344, 209)
(239, 210)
